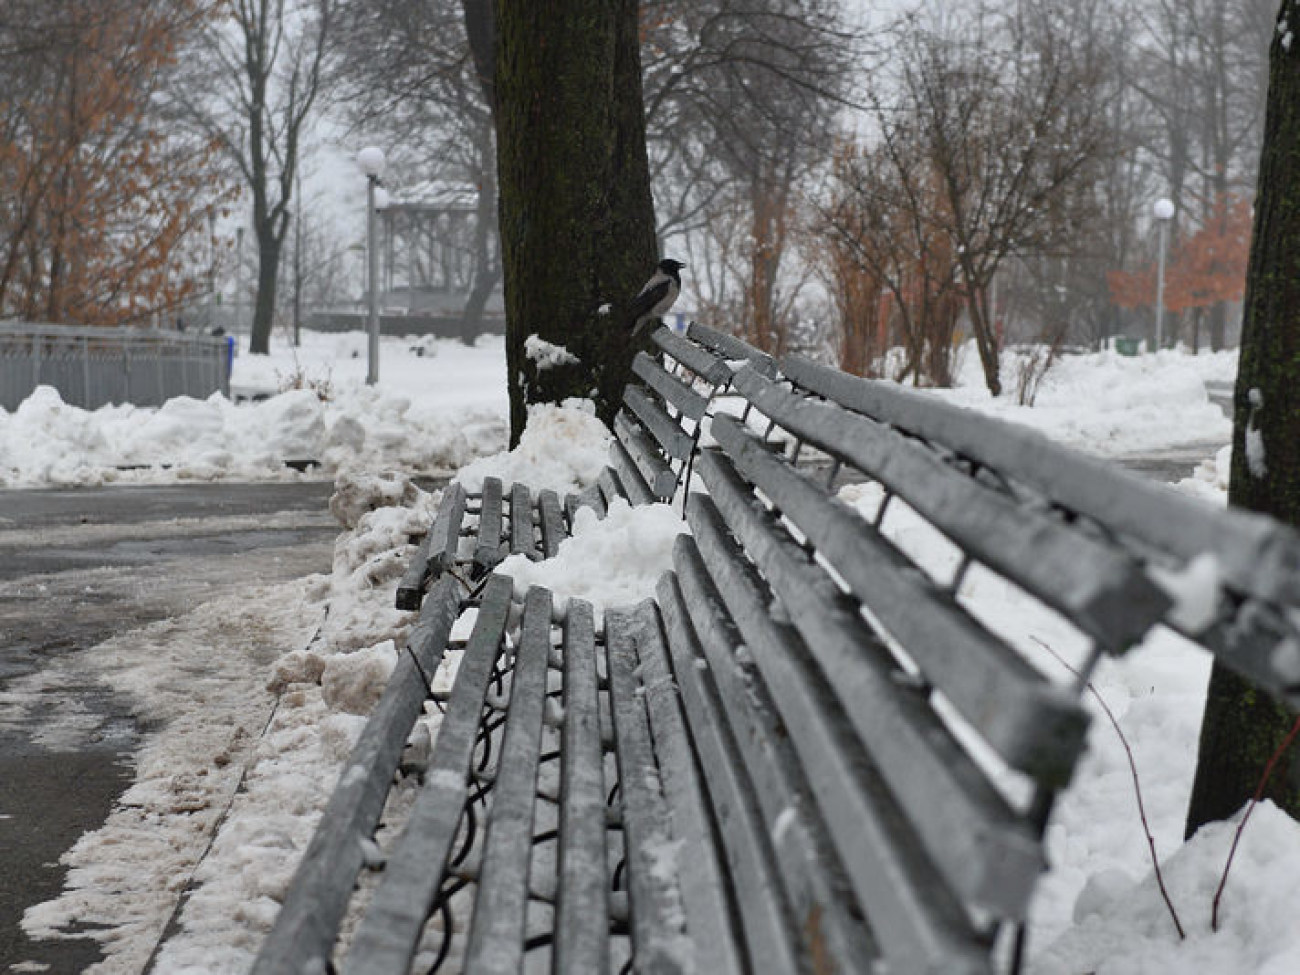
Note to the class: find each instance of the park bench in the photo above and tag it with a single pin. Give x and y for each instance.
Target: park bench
(806, 753)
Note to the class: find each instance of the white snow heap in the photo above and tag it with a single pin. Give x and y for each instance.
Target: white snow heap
(430, 415)
(1256, 458)
(548, 355)
(1110, 404)
(614, 561)
(563, 447)
(1124, 928)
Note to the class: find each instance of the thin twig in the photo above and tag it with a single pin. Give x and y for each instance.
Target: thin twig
(1137, 787)
(1250, 808)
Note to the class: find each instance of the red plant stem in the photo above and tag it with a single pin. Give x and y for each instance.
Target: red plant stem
(1137, 788)
(1250, 808)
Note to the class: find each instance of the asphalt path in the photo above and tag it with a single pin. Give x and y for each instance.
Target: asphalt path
(78, 567)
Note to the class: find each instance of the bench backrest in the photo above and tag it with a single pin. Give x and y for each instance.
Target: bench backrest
(898, 757)
(1255, 560)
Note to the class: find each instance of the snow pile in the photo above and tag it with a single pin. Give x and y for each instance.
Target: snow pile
(324, 689)
(1209, 481)
(427, 415)
(548, 355)
(563, 448)
(1110, 404)
(199, 679)
(1122, 926)
(638, 540)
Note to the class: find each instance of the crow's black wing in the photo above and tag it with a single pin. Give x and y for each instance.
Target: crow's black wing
(649, 299)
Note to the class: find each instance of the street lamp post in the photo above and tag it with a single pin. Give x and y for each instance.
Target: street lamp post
(1164, 213)
(371, 161)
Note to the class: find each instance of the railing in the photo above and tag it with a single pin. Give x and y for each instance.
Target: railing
(91, 367)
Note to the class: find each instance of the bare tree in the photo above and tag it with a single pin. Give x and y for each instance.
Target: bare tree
(432, 94)
(883, 218)
(1008, 107)
(1201, 70)
(256, 82)
(742, 97)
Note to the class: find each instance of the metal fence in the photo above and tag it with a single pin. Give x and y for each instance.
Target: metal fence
(91, 367)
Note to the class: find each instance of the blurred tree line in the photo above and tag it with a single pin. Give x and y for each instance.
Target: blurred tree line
(985, 170)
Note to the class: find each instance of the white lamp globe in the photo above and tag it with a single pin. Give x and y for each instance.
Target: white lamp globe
(1164, 209)
(371, 161)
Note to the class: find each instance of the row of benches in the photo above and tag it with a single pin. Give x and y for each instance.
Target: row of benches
(805, 753)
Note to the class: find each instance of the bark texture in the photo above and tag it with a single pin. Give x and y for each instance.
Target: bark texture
(576, 217)
(1243, 727)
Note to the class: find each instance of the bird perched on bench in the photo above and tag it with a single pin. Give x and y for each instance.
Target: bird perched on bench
(657, 296)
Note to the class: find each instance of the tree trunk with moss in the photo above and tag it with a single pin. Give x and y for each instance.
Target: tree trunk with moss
(577, 221)
(1243, 727)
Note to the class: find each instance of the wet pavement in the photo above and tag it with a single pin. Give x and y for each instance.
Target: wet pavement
(76, 568)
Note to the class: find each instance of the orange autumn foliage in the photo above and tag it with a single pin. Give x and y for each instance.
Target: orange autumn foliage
(1207, 268)
(104, 210)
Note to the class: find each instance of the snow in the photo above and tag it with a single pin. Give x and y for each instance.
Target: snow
(439, 404)
(232, 782)
(637, 539)
(563, 448)
(1109, 404)
(1256, 459)
(548, 355)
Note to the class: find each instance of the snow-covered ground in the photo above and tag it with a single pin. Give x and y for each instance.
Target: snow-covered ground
(255, 787)
(438, 404)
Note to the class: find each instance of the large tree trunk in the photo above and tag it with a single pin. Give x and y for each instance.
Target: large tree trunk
(577, 221)
(1242, 727)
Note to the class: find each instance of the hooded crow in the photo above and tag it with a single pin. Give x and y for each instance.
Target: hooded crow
(657, 296)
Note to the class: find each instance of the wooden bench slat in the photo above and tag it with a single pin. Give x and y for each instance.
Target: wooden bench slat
(702, 875)
(682, 397)
(746, 827)
(322, 886)
(498, 926)
(1256, 554)
(813, 877)
(390, 932)
(638, 492)
(1034, 726)
(437, 550)
(552, 522)
(582, 907)
(487, 553)
(712, 369)
(611, 488)
(1104, 592)
(669, 436)
(591, 497)
(658, 918)
(656, 472)
(917, 920)
(733, 348)
(986, 851)
(522, 537)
